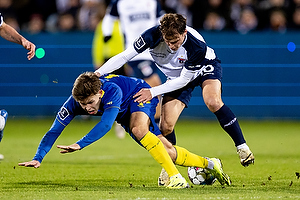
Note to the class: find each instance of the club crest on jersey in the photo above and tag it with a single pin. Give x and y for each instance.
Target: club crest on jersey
(139, 43)
(181, 60)
(63, 113)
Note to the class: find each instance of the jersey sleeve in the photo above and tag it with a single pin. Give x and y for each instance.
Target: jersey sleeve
(108, 25)
(48, 140)
(117, 61)
(111, 102)
(63, 118)
(101, 128)
(196, 52)
(148, 39)
(159, 10)
(174, 84)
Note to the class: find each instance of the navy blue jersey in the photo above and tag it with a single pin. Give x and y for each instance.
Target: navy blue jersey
(117, 104)
(193, 54)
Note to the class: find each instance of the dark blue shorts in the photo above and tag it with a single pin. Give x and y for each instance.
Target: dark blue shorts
(211, 71)
(142, 68)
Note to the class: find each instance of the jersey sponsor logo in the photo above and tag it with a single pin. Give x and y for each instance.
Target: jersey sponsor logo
(63, 113)
(204, 70)
(109, 103)
(158, 54)
(139, 43)
(139, 16)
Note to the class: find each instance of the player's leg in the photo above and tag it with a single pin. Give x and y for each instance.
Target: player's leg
(170, 111)
(3, 118)
(139, 126)
(211, 90)
(154, 80)
(183, 157)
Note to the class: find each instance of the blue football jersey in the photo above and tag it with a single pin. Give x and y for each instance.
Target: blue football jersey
(118, 92)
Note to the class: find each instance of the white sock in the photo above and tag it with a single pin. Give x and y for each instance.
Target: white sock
(211, 164)
(179, 175)
(242, 146)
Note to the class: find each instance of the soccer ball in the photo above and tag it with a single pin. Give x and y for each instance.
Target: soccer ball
(200, 176)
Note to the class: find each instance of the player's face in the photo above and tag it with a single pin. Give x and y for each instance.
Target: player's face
(176, 41)
(92, 103)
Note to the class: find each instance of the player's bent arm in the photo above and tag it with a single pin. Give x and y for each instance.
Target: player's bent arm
(117, 61)
(108, 25)
(175, 84)
(10, 34)
(101, 128)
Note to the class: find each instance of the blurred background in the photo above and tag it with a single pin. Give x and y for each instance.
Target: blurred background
(256, 40)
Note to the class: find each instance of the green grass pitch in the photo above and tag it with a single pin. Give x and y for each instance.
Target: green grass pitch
(113, 168)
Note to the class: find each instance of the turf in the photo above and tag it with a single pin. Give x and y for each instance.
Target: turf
(113, 168)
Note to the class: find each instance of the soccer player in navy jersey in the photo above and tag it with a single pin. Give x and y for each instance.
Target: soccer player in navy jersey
(9, 33)
(111, 97)
(181, 53)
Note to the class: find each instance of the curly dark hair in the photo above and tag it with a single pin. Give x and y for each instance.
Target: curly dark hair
(172, 24)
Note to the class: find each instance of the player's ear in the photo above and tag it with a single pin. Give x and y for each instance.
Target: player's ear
(101, 93)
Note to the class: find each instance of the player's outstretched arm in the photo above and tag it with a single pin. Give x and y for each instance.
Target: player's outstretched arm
(69, 149)
(33, 163)
(10, 34)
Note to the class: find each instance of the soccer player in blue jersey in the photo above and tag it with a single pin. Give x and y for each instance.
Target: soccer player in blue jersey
(135, 17)
(9, 33)
(181, 53)
(111, 97)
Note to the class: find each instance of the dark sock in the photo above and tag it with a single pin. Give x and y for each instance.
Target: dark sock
(171, 137)
(230, 124)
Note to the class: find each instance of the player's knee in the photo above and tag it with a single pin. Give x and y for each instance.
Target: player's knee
(166, 128)
(139, 132)
(213, 104)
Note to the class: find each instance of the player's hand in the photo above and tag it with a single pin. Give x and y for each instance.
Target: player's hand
(33, 163)
(69, 149)
(143, 95)
(98, 74)
(30, 47)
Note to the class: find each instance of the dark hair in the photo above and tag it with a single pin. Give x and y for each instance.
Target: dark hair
(172, 24)
(86, 85)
